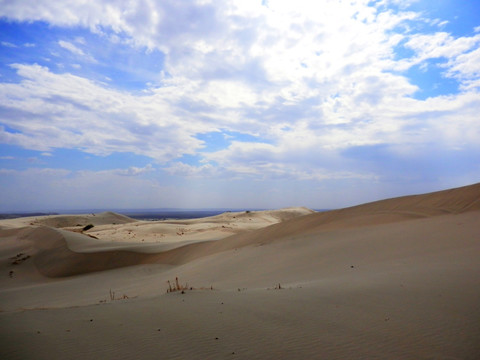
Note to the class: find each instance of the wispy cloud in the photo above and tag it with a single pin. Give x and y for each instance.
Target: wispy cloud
(134, 171)
(70, 47)
(8, 44)
(75, 50)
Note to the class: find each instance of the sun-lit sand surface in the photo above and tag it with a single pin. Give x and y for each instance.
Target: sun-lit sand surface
(393, 279)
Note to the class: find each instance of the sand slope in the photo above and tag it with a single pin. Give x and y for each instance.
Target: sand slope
(394, 279)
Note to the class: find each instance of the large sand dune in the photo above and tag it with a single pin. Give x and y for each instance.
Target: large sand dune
(397, 278)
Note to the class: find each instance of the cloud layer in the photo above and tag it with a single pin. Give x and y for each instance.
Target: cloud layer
(320, 88)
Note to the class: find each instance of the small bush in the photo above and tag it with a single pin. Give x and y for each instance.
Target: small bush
(88, 227)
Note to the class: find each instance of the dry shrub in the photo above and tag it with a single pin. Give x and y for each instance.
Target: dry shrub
(176, 286)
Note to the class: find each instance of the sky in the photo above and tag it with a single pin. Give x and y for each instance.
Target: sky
(235, 103)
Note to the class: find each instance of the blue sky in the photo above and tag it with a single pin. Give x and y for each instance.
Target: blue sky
(236, 104)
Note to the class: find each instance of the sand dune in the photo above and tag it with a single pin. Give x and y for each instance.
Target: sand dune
(58, 252)
(210, 228)
(392, 279)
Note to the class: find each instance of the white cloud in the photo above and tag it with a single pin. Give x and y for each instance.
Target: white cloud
(66, 111)
(191, 171)
(466, 68)
(75, 50)
(308, 79)
(440, 44)
(8, 44)
(134, 171)
(461, 55)
(80, 40)
(37, 173)
(70, 47)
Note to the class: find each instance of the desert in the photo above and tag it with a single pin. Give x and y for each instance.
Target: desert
(392, 279)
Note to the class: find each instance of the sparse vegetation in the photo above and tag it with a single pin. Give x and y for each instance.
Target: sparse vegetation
(176, 286)
(19, 258)
(277, 287)
(113, 298)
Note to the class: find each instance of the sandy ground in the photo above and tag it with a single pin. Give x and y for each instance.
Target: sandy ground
(394, 279)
